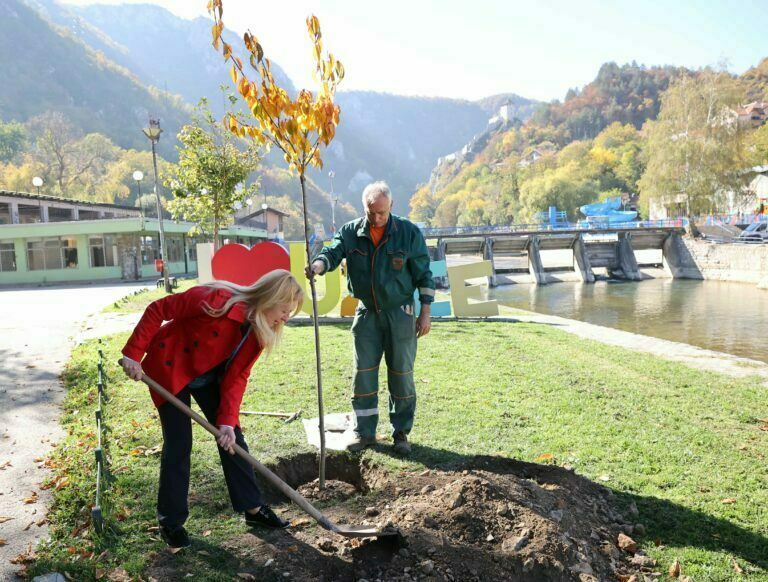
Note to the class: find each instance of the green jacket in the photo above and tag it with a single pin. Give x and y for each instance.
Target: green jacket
(385, 276)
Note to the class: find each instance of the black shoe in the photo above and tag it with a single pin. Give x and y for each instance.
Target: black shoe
(265, 517)
(176, 537)
(401, 446)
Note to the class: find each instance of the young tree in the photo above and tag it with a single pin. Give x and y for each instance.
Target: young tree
(695, 148)
(211, 166)
(12, 140)
(297, 127)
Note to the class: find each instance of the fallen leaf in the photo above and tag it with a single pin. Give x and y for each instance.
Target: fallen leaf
(29, 525)
(204, 553)
(292, 549)
(736, 566)
(154, 450)
(31, 499)
(118, 575)
(763, 426)
(61, 483)
(545, 457)
(246, 576)
(728, 500)
(3, 542)
(5, 464)
(175, 550)
(206, 533)
(674, 569)
(4, 519)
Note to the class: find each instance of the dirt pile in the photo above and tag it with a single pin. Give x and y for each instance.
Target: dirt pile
(492, 519)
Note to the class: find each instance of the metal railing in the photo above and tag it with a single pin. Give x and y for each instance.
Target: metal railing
(593, 224)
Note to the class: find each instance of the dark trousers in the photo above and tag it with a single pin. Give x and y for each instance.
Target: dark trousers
(172, 505)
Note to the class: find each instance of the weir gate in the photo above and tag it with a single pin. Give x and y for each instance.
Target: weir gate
(610, 248)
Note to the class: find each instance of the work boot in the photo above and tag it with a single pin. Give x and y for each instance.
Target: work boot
(401, 446)
(265, 517)
(176, 537)
(357, 442)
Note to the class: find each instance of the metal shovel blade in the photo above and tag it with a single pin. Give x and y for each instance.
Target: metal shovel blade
(282, 486)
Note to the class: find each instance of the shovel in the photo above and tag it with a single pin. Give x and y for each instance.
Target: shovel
(282, 486)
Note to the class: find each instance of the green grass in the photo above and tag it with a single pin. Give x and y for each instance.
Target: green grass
(674, 440)
(138, 300)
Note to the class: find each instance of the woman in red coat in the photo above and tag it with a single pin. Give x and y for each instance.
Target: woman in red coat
(206, 348)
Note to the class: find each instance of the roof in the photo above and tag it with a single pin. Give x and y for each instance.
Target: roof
(31, 196)
(261, 211)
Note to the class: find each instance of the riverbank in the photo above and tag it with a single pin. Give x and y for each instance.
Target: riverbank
(694, 467)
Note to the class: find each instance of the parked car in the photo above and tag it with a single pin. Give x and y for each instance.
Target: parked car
(757, 232)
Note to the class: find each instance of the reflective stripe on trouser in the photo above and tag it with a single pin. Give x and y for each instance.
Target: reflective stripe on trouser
(390, 333)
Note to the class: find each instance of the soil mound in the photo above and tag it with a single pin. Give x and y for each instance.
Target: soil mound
(491, 519)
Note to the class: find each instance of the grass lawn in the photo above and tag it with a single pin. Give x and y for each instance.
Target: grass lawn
(685, 446)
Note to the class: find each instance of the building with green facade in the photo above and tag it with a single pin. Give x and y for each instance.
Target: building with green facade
(45, 239)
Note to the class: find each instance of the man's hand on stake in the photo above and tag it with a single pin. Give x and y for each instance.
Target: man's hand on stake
(317, 268)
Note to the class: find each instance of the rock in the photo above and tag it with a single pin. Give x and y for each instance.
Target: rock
(526, 533)
(627, 544)
(455, 501)
(424, 473)
(428, 567)
(643, 561)
(427, 488)
(528, 565)
(269, 562)
(556, 515)
(371, 511)
(514, 544)
(582, 568)
(502, 510)
(431, 522)
(640, 529)
(50, 577)
(327, 546)
(490, 538)
(674, 569)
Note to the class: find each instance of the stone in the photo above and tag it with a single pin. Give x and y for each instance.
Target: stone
(428, 567)
(490, 538)
(431, 522)
(455, 501)
(371, 511)
(626, 543)
(643, 561)
(50, 577)
(427, 488)
(514, 544)
(502, 510)
(528, 565)
(582, 568)
(556, 515)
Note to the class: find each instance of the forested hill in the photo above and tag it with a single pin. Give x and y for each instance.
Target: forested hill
(590, 146)
(49, 69)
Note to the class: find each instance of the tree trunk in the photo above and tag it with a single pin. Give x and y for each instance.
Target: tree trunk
(320, 406)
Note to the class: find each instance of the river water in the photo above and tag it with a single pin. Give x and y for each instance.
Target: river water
(721, 316)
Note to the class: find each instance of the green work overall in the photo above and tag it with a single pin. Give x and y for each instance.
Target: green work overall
(391, 333)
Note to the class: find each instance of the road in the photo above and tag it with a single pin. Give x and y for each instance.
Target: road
(38, 328)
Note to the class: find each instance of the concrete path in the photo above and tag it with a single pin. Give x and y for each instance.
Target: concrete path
(38, 327)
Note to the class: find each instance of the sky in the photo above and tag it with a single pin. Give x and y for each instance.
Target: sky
(470, 50)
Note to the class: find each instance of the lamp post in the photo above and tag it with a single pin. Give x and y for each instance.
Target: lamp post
(334, 200)
(138, 175)
(153, 134)
(37, 181)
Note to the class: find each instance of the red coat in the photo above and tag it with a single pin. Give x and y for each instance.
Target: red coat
(191, 342)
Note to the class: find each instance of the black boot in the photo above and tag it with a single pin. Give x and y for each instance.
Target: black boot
(176, 537)
(265, 517)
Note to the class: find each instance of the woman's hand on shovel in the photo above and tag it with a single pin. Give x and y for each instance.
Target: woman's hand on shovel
(132, 368)
(226, 438)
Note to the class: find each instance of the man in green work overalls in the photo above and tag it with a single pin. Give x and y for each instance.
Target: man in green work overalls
(387, 261)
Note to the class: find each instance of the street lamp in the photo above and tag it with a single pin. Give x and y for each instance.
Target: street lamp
(334, 200)
(37, 181)
(153, 135)
(138, 175)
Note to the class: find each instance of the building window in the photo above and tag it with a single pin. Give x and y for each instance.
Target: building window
(175, 246)
(5, 214)
(7, 257)
(89, 214)
(102, 250)
(59, 214)
(29, 214)
(52, 253)
(149, 250)
(192, 249)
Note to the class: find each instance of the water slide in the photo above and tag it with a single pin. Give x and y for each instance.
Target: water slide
(608, 211)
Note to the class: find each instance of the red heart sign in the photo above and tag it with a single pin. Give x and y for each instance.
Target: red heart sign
(237, 263)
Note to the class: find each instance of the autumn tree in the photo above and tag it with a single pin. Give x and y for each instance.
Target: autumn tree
(12, 140)
(297, 127)
(210, 179)
(696, 148)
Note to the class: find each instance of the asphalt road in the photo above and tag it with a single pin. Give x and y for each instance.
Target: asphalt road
(38, 328)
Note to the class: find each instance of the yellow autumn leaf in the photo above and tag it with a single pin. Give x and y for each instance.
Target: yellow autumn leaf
(545, 457)
(233, 74)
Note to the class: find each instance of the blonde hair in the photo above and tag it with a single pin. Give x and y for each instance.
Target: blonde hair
(277, 287)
